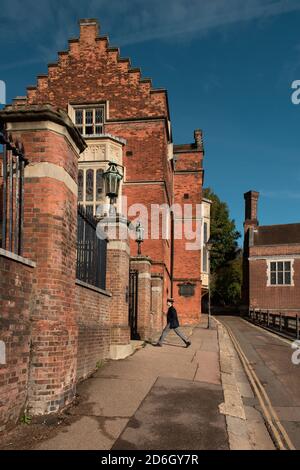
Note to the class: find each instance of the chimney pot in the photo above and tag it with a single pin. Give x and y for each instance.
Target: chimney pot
(198, 135)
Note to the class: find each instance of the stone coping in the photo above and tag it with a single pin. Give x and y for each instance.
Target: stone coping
(140, 258)
(17, 258)
(46, 112)
(106, 136)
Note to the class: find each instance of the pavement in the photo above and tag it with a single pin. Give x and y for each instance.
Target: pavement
(168, 398)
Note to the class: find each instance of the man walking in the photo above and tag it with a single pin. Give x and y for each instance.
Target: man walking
(172, 324)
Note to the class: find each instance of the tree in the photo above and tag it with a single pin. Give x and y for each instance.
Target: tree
(227, 285)
(225, 258)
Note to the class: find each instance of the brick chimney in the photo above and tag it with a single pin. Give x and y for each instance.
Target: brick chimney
(89, 30)
(198, 135)
(251, 200)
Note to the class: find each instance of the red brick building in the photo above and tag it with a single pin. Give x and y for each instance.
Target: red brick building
(112, 104)
(271, 263)
(56, 327)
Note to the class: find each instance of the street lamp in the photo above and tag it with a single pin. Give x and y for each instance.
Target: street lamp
(112, 178)
(209, 246)
(139, 230)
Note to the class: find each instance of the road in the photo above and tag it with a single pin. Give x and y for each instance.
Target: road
(270, 357)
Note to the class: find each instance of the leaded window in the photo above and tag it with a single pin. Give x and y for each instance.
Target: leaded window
(91, 188)
(90, 120)
(80, 185)
(99, 184)
(89, 191)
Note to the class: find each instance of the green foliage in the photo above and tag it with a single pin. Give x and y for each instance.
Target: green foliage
(26, 419)
(225, 257)
(99, 364)
(223, 232)
(226, 288)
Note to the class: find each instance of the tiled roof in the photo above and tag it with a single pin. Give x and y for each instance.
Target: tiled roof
(277, 234)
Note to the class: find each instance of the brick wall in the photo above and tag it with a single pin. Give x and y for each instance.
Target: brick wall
(283, 298)
(93, 70)
(61, 318)
(15, 306)
(188, 181)
(50, 236)
(93, 322)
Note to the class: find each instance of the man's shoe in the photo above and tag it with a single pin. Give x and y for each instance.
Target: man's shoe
(157, 345)
(187, 345)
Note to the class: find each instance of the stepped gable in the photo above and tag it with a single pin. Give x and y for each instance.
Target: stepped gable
(92, 71)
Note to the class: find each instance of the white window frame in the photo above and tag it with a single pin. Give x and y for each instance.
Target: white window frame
(280, 260)
(89, 107)
(85, 167)
(205, 256)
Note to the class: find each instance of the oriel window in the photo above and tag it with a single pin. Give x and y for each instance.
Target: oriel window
(90, 188)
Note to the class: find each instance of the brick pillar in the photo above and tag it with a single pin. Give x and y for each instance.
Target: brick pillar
(143, 265)
(156, 304)
(117, 282)
(52, 146)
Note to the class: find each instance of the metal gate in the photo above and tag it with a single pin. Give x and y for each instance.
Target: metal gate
(133, 304)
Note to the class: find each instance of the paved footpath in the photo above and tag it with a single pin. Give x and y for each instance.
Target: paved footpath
(158, 399)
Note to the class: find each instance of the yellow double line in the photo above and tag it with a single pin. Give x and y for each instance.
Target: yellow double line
(278, 432)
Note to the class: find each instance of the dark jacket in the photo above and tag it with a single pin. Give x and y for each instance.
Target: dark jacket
(172, 318)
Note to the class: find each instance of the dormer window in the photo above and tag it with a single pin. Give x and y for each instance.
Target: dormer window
(90, 120)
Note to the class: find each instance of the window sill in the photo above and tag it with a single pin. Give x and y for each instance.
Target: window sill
(95, 289)
(17, 258)
(281, 285)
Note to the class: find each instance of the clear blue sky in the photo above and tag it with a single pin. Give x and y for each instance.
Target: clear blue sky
(228, 66)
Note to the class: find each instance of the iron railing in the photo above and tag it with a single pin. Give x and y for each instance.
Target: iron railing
(286, 324)
(12, 165)
(91, 251)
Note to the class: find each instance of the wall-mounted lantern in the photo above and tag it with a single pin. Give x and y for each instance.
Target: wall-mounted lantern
(112, 178)
(140, 231)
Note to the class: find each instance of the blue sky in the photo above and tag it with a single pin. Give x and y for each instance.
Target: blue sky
(228, 66)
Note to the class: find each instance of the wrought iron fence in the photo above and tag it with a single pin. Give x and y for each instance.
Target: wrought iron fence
(91, 251)
(287, 324)
(12, 165)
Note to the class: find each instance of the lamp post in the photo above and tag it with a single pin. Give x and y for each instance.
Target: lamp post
(112, 178)
(139, 230)
(209, 246)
